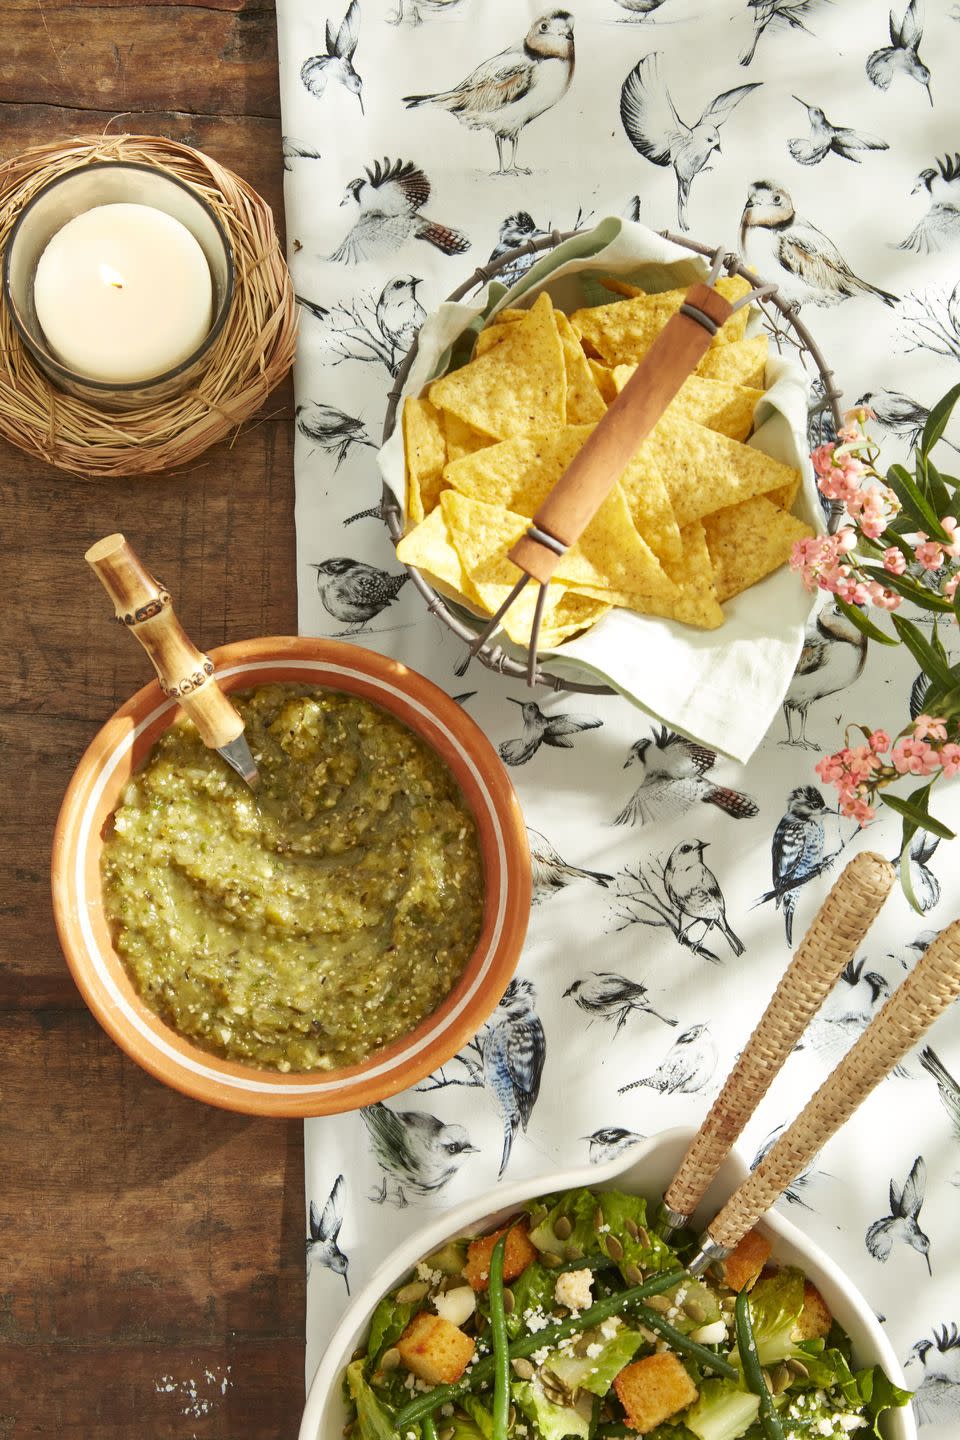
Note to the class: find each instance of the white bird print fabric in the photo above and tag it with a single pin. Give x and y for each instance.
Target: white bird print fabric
(823, 139)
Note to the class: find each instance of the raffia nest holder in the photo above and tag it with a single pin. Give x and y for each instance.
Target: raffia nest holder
(250, 358)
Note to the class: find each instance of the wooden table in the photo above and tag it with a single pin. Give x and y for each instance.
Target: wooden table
(151, 1283)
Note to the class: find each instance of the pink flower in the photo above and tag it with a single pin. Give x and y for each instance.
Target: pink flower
(950, 759)
(894, 561)
(860, 414)
(832, 768)
(950, 525)
(914, 757)
(879, 741)
(950, 586)
(822, 459)
(927, 727)
(929, 553)
(857, 808)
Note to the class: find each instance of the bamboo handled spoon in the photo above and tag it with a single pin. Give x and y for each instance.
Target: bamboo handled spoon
(144, 606)
(928, 990)
(831, 941)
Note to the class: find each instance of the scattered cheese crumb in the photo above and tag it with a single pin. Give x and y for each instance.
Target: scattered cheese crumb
(536, 1320)
(424, 1272)
(593, 1350)
(540, 1355)
(574, 1289)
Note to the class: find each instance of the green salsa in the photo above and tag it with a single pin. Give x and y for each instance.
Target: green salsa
(308, 925)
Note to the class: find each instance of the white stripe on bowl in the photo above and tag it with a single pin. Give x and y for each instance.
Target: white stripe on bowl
(239, 1082)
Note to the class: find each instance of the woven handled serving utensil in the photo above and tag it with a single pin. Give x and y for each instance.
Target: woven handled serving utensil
(144, 606)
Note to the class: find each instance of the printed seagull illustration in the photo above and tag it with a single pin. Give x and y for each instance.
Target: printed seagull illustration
(775, 13)
(330, 429)
(610, 1141)
(900, 414)
(781, 246)
(608, 996)
(948, 1088)
(414, 10)
(656, 131)
(797, 851)
(687, 1066)
(940, 227)
(337, 61)
(833, 656)
(936, 1400)
(902, 55)
(695, 894)
(825, 137)
(903, 1222)
(354, 592)
(514, 1051)
(675, 778)
(506, 92)
(417, 1152)
(551, 872)
(540, 729)
(388, 204)
(322, 1247)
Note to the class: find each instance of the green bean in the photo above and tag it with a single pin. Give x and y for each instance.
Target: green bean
(586, 1262)
(678, 1341)
(594, 1417)
(501, 1343)
(752, 1372)
(428, 1429)
(549, 1337)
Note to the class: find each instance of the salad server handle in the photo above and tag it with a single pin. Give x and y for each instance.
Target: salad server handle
(831, 941)
(144, 606)
(591, 475)
(928, 990)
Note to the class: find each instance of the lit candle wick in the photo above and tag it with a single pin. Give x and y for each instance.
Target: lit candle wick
(111, 277)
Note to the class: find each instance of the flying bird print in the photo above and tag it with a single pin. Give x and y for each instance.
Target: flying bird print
(833, 656)
(687, 1066)
(903, 1223)
(336, 63)
(936, 1400)
(797, 851)
(413, 11)
(354, 592)
(804, 263)
(674, 772)
(775, 14)
(926, 886)
(387, 201)
(656, 131)
(902, 55)
(540, 729)
(322, 1242)
(505, 93)
(939, 229)
(608, 996)
(552, 873)
(293, 150)
(846, 1012)
(514, 1049)
(693, 890)
(330, 429)
(417, 1153)
(793, 1193)
(609, 1142)
(826, 138)
(948, 1087)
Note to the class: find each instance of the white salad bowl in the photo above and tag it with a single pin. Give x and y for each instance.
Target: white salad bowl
(646, 1169)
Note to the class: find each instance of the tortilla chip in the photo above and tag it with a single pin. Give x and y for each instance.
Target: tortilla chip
(488, 338)
(574, 612)
(785, 495)
(425, 450)
(742, 363)
(622, 332)
(509, 315)
(584, 401)
(695, 600)
(748, 541)
(462, 439)
(429, 547)
(620, 287)
(521, 387)
(728, 409)
(603, 377)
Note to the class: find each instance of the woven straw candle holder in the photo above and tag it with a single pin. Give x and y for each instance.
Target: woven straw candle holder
(252, 355)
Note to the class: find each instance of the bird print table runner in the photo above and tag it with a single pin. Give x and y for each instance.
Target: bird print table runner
(822, 140)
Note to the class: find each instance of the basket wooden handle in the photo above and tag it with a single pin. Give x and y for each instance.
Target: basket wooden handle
(581, 490)
(930, 987)
(831, 941)
(144, 606)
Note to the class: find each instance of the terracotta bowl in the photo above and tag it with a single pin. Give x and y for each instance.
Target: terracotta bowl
(123, 745)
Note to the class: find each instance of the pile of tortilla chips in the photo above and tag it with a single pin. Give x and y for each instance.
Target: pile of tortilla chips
(697, 516)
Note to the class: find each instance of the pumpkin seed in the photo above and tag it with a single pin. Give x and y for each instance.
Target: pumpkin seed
(598, 1218)
(574, 1252)
(563, 1228)
(728, 1303)
(614, 1248)
(523, 1368)
(780, 1379)
(767, 1379)
(410, 1294)
(551, 1259)
(695, 1310)
(658, 1302)
(631, 1227)
(512, 1417)
(634, 1274)
(643, 1235)
(651, 1336)
(797, 1367)
(358, 1355)
(390, 1359)
(447, 1433)
(509, 1302)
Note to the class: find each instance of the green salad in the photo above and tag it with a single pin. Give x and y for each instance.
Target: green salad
(576, 1319)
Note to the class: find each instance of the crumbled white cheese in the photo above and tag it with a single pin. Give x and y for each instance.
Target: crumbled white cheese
(424, 1272)
(594, 1349)
(852, 1422)
(824, 1426)
(609, 1328)
(574, 1289)
(540, 1355)
(536, 1320)
(456, 1305)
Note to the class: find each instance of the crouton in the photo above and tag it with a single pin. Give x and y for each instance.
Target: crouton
(815, 1319)
(517, 1255)
(434, 1349)
(743, 1265)
(653, 1389)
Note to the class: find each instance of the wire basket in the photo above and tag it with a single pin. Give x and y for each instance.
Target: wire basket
(785, 329)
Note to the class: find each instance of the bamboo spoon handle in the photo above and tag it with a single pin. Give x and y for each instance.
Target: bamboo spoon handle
(595, 469)
(930, 987)
(831, 941)
(145, 607)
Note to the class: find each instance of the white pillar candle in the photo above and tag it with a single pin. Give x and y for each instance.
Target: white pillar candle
(123, 293)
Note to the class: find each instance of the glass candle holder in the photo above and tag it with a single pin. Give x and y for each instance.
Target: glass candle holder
(74, 194)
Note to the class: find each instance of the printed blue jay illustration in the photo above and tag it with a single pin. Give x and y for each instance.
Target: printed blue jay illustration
(322, 1242)
(934, 1370)
(903, 1223)
(797, 851)
(417, 1153)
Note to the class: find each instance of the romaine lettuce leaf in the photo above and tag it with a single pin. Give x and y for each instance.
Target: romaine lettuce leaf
(479, 1414)
(598, 1373)
(651, 1253)
(387, 1325)
(579, 1207)
(532, 1290)
(723, 1412)
(374, 1420)
(553, 1421)
(775, 1306)
(879, 1393)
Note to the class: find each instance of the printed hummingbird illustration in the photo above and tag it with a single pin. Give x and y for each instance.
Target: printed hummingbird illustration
(776, 14)
(903, 1223)
(609, 1142)
(936, 1399)
(605, 995)
(505, 93)
(330, 429)
(387, 201)
(688, 1065)
(674, 778)
(551, 872)
(826, 138)
(656, 131)
(354, 592)
(322, 1246)
(336, 63)
(833, 656)
(540, 729)
(417, 1153)
(805, 264)
(902, 55)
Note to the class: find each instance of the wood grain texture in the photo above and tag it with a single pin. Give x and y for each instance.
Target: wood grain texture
(153, 1248)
